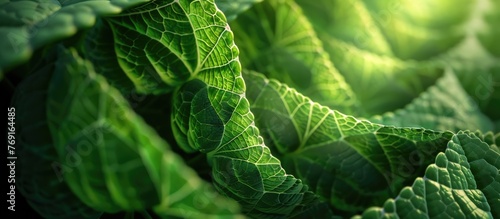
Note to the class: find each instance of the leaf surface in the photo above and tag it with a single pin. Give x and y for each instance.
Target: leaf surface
(116, 161)
(29, 25)
(352, 163)
(444, 106)
(464, 182)
(99, 48)
(282, 43)
(187, 34)
(200, 50)
(392, 47)
(39, 176)
(232, 8)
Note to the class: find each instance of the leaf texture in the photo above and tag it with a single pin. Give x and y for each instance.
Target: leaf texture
(464, 182)
(28, 25)
(282, 44)
(113, 160)
(387, 47)
(444, 106)
(100, 48)
(38, 177)
(352, 163)
(162, 44)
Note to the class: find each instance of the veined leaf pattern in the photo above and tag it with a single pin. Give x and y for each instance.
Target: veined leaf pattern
(292, 146)
(464, 182)
(113, 160)
(282, 44)
(39, 178)
(353, 163)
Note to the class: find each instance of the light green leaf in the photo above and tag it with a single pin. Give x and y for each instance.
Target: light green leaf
(113, 160)
(217, 121)
(421, 40)
(196, 45)
(38, 172)
(375, 79)
(162, 44)
(444, 106)
(352, 163)
(28, 25)
(232, 8)
(281, 43)
(479, 74)
(415, 31)
(489, 31)
(348, 21)
(464, 182)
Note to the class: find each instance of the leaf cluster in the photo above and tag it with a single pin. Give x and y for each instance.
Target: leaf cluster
(255, 108)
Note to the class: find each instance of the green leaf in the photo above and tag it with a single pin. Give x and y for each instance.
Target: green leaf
(489, 31)
(162, 44)
(392, 47)
(39, 174)
(282, 43)
(493, 106)
(195, 41)
(464, 182)
(444, 106)
(376, 78)
(352, 163)
(117, 162)
(216, 121)
(29, 25)
(99, 48)
(479, 83)
(493, 140)
(107, 158)
(232, 8)
(348, 21)
(413, 29)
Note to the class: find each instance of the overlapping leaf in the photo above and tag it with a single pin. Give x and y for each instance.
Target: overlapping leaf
(111, 159)
(376, 44)
(353, 163)
(282, 44)
(100, 48)
(488, 31)
(413, 30)
(348, 21)
(493, 105)
(374, 77)
(202, 47)
(162, 44)
(212, 115)
(38, 177)
(444, 106)
(219, 122)
(28, 25)
(464, 182)
(493, 140)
